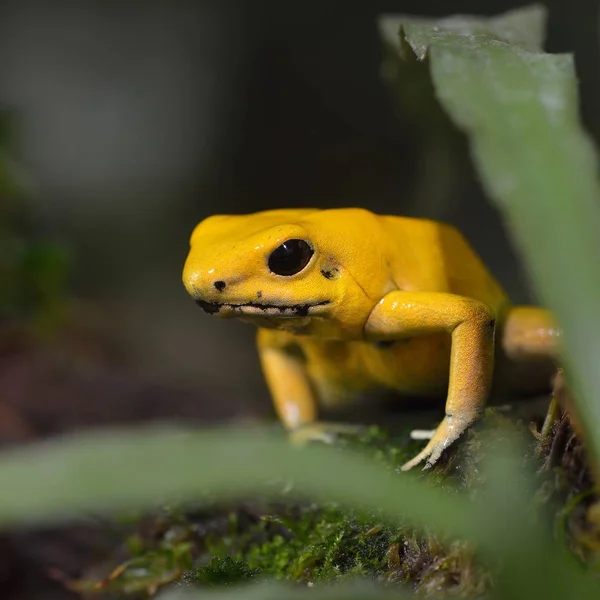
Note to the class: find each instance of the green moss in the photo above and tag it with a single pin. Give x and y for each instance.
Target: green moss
(323, 543)
(312, 543)
(219, 571)
(315, 542)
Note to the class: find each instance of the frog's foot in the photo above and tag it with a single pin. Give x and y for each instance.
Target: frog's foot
(448, 431)
(323, 432)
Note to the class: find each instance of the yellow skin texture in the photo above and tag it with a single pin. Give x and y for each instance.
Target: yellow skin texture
(385, 302)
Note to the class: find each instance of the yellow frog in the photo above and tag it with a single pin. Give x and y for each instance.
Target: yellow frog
(348, 302)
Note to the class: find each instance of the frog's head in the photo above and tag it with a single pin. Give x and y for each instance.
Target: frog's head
(303, 270)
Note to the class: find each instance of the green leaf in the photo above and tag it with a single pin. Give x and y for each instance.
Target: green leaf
(519, 109)
(524, 27)
(146, 467)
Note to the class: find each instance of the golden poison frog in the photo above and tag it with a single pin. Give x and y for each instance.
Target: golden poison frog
(348, 302)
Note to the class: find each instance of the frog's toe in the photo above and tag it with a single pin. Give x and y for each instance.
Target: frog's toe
(431, 452)
(419, 458)
(448, 431)
(311, 433)
(323, 432)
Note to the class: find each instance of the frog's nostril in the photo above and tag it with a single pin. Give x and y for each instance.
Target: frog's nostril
(219, 285)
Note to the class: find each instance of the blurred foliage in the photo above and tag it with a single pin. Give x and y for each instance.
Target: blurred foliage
(324, 515)
(32, 271)
(509, 516)
(310, 542)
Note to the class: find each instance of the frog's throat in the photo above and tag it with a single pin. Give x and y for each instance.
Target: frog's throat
(258, 308)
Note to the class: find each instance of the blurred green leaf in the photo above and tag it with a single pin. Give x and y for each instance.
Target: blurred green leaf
(144, 468)
(519, 108)
(357, 590)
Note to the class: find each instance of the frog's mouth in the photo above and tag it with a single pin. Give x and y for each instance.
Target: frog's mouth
(259, 308)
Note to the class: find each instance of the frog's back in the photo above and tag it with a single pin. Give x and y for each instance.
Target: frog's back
(430, 256)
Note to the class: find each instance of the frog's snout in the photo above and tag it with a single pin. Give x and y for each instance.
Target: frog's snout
(198, 281)
(191, 283)
(204, 287)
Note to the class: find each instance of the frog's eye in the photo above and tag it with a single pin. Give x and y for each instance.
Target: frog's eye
(290, 258)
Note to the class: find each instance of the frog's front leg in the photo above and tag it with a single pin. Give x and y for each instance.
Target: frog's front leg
(471, 325)
(292, 393)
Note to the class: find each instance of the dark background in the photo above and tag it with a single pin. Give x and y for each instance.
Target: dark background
(132, 121)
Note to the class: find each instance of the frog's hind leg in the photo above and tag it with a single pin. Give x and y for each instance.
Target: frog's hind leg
(527, 349)
(529, 333)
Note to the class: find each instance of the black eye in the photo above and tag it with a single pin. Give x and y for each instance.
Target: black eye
(290, 258)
